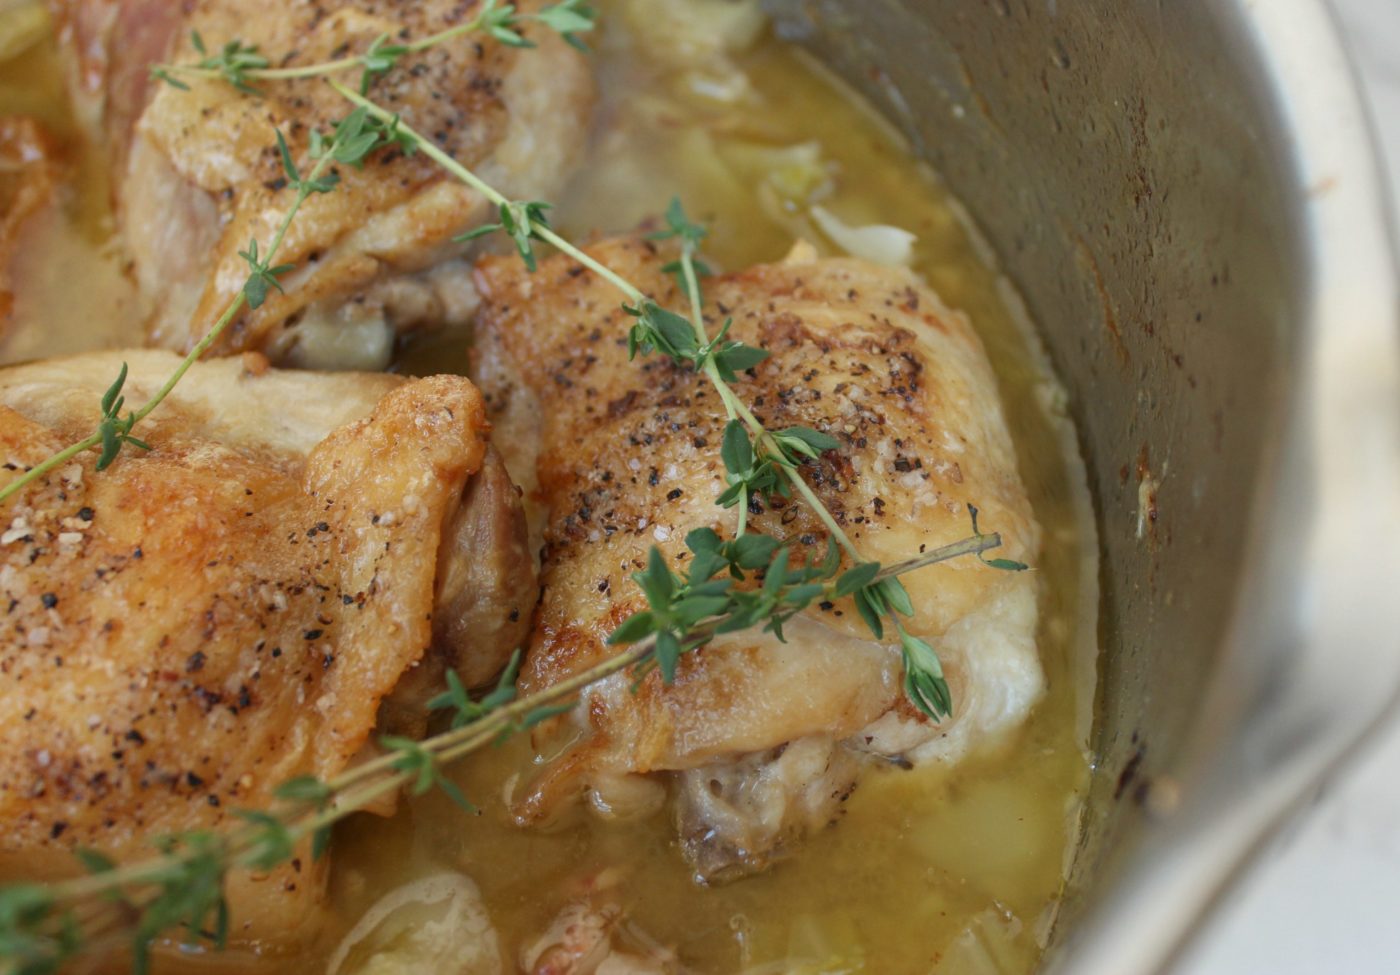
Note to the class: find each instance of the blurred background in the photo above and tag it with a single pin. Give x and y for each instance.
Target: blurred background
(1326, 895)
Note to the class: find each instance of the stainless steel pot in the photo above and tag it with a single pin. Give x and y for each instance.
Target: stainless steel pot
(1186, 194)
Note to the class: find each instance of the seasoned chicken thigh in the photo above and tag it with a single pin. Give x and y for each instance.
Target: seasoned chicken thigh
(243, 604)
(764, 739)
(199, 172)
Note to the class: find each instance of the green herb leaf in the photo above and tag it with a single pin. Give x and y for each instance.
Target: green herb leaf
(482, 231)
(668, 653)
(453, 792)
(677, 337)
(871, 609)
(413, 758)
(896, 597)
(320, 842)
(1006, 565)
(923, 677)
(111, 399)
(636, 627)
(379, 59)
(233, 62)
(703, 540)
(857, 578)
(453, 699)
(568, 19)
(354, 138)
(113, 431)
(289, 166)
(678, 225)
(736, 449)
(776, 575)
(805, 442)
(500, 21)
(466, 711)
(261, 278)
(273, 843)
(159, 73)
(304, 788)
(657, 582)
(737, 357)
(693, 609)
(677, 270)
(93, 861)
(521, 221)
(753, 551)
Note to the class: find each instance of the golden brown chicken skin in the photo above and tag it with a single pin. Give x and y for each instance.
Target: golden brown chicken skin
(198, 173)
(193, 626)
(621, 456)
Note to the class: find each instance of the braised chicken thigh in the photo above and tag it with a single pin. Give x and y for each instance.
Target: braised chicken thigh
(286, 570)
(761, 740)
(198, 174)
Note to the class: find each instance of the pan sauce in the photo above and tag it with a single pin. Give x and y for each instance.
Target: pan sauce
(953, 872)
(67, 244)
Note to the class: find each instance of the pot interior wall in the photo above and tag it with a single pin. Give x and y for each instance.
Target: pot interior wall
(1126, 166)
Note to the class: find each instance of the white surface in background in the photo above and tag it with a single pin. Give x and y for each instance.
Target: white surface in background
(1326, 897)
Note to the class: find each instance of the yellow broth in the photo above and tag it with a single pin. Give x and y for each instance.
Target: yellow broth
(70, 291)
(953, 872)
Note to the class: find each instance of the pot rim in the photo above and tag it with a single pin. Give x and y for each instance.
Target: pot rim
(1311, 666)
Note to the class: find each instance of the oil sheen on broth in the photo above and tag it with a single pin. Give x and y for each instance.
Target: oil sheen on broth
(70, 294)
(953, 872)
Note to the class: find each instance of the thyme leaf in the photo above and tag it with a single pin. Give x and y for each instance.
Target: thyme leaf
(381, 58)
(569, 19)
(114, 431)
(240, 64)
(233, 62)
(1006, 565)
(522, 221)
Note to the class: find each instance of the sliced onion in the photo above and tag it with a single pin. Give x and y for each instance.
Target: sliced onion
(798, 173)
(877, 242)
(692, 33)
(436, 925)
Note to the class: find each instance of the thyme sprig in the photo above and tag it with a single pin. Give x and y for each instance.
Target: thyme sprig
(182, 887)
(520, 221)
(241, 64)
(352, 139)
